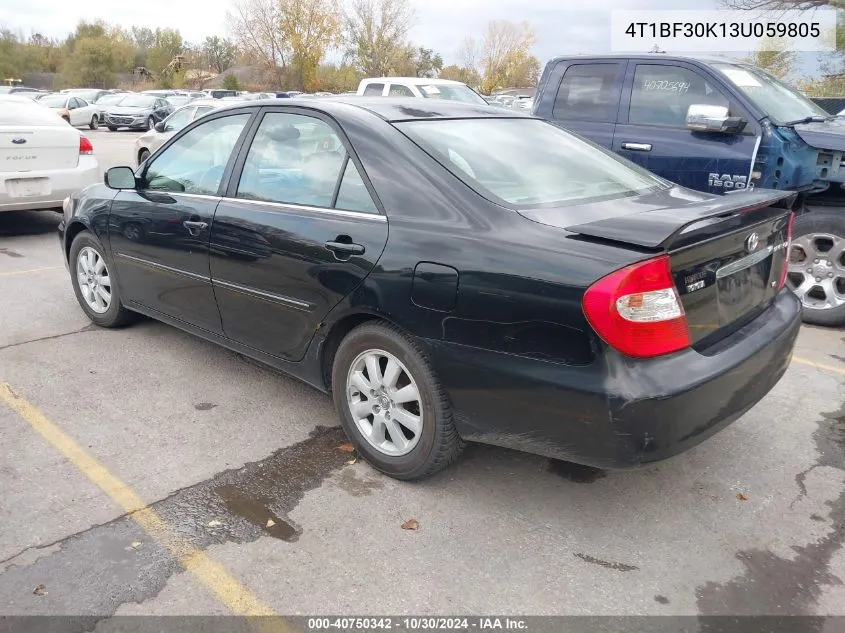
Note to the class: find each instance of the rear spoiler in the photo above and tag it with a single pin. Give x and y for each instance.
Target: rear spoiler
(659, 228)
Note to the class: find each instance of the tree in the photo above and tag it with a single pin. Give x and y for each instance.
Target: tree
(337, 78)
(167, 44)
(218, 53)
(376, 34)
(309, 28)
(255, 27)
(773, 56)
(780, 5)
(95, 60)
(427, 63)
(144, 39)
(230, 82)
(469, 76)
(504, 49)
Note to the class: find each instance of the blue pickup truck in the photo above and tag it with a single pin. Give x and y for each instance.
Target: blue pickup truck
(718, 126)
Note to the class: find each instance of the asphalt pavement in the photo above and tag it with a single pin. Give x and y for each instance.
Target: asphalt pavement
(146, 471)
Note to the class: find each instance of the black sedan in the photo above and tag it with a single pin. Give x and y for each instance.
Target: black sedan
(136, 112)
(449, 273)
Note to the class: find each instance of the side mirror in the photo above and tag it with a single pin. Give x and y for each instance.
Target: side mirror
(159, 127)
(713, 118)
(120, 178)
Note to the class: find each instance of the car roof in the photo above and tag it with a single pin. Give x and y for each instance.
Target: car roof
(389, 109)
(656, 57)
(414, 81)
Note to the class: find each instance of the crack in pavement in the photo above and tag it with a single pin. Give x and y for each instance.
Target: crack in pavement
(88, 328)
(93, 572)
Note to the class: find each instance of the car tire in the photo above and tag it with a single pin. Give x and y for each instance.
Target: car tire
(436, 443)
(143, 155)
(95, 122)
(112, 128)
(151, 124)
(86, 247)
(814, 234)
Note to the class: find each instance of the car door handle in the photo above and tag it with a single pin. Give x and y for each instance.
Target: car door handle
(195, 228)
(345, 248)
(637, 147)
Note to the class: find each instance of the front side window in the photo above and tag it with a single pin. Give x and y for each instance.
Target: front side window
(490, 155)
(373, 90)
(662, 94)
(398, 90)
(293, 159)
(178, 120)
(195, 162)
(588, 92)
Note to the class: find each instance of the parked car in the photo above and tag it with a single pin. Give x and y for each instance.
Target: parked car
(605, 315)
(89, 94)
(150, 141)
(75, 110)
(42, 159)
(718, 125)
(137, 111)
(160, 93)
(106, 100)
(522, 102)
(219, 94)
(10, 90)
(419, 87)
(177, 101)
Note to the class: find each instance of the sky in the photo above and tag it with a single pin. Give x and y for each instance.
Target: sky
(439, 24)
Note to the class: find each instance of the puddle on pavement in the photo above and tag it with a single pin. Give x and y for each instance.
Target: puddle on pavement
(256, 511)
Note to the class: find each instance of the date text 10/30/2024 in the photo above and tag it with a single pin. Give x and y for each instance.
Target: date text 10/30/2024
(418, 624)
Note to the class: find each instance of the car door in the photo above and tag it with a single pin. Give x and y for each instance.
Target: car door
(73, 112)
(85, 112)
(586, 98)
(652, 128)
(159, 232)
(298, 231)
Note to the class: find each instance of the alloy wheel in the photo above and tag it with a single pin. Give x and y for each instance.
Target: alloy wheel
(385, 402)
(817, 270)
(93, 278)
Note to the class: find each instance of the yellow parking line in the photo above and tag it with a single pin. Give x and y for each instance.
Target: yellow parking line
(811, 363)
(9, 273)
(211, 574)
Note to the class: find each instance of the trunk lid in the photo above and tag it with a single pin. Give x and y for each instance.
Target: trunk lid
(37, 148)
(727, 253)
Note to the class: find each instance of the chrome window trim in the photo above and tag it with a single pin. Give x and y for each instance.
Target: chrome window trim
(282, 206)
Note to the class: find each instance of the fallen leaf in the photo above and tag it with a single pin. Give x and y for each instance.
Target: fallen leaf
(40, 590)
(741, 497)
(270, 523)
(346, 448)
(136, 544)
(349, 462)
(214, 523)
(411, 524)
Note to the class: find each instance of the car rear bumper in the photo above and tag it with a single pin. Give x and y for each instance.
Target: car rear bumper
(617, 412)
(62, 183)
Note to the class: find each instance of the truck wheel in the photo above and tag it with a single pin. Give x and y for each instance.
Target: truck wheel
(817, 266)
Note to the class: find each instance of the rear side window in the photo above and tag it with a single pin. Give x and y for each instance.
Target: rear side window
(26, 112)
(353, 194)
(588, 92)
(661, 95)
(373, 90)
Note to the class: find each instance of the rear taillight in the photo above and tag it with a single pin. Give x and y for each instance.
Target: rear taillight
(85, 146)
(786, 249)
(637, 310)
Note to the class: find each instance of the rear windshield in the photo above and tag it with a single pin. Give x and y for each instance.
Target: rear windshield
(526, 163)
(451, 93)
(28, 113)
(54, 101)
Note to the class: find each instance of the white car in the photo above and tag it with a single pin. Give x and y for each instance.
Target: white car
(445, 89)
(150, 141)
(42, 159)
(75, 110)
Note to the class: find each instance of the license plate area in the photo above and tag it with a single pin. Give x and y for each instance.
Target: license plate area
(28, 187)
(743, 285)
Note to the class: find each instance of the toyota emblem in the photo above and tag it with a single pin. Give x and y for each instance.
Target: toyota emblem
(752, 242)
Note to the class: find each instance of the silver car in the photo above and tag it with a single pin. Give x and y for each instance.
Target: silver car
(150, 141)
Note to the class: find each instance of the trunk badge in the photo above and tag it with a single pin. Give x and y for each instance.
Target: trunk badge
(752, 242)
(18, 140)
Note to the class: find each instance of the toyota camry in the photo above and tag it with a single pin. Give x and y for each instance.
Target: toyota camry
(449, 273)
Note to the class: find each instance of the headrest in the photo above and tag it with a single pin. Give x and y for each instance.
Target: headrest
(283, 134)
